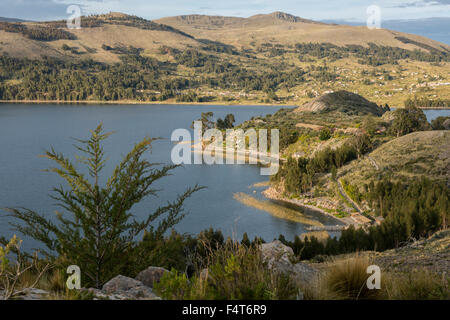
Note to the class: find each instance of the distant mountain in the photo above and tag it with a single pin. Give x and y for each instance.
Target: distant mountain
(433, 28)
(285, 29)
(3, 19)
(117, 30)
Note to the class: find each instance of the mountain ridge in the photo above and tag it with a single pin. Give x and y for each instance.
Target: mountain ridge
(277, 28)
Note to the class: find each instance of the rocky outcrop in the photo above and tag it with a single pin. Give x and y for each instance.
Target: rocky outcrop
(151, 275)
(124, 288)
(280, 258)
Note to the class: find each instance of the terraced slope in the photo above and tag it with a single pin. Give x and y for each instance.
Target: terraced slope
(425, 153)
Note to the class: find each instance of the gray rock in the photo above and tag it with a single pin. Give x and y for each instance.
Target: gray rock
(446, 124)
(124, 288)
(151, 275)
(33, 294)
(120, 283)
(280, 258)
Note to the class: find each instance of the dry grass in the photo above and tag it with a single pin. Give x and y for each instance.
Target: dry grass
(410, 156)
(416, 286)
(270, 28)
(343, 279)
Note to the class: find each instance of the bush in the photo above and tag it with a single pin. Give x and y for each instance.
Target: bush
(173, 286)
(325, 134)
(232, 272)
(15, 271)
(441, 123)
(96, 229)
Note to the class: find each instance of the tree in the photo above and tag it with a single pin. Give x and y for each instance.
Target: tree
(441, 123)
(293, 176)
(369, 125)
(226, 123)
(408, 120)
(96, 226)
(229, 120)
(206, 121)
(361, 143)
(333, 173)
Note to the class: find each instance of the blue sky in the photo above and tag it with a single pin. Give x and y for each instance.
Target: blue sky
(351, 10)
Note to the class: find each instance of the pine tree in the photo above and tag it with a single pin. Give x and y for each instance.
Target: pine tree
(96, 226)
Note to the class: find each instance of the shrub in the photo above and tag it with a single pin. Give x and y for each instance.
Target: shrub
(441, 123)
(96, 228)
(232, 272)
(325, 134)
(14, 272)
(173, 286)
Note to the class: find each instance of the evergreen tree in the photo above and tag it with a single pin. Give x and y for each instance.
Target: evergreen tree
(96, 227)
(408, 120)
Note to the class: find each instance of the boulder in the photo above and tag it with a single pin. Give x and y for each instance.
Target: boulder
(124, 288)
(120, 283)
(151, 275)
(280, 258)
(446, 124)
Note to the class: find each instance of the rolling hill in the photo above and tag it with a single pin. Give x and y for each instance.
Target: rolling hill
(267, 58)
(415, 155)
(285, 29)
(184, 31)
(342, 101)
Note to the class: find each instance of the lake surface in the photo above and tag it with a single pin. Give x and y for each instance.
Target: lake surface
(26, 131)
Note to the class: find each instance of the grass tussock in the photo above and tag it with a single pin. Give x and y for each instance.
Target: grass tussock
(343, 280)
(233, 272)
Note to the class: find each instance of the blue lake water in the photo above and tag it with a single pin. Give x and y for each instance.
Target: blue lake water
(27, 130)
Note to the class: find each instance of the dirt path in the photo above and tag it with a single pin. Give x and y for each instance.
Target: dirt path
(359, 216)
(346, 196)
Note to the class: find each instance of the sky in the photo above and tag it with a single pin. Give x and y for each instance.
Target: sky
(349, 10)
